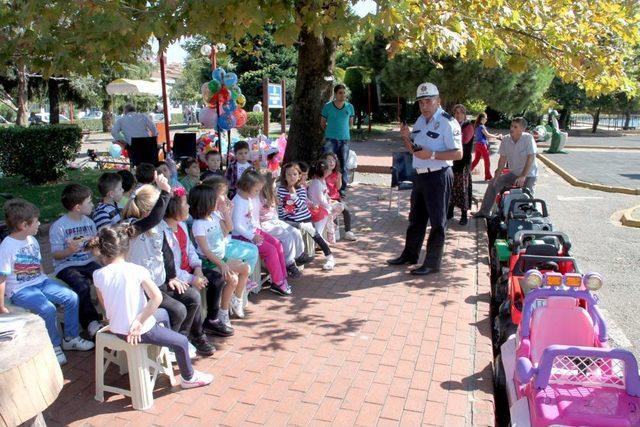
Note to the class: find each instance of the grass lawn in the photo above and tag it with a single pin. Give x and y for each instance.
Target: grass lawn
(47, 197)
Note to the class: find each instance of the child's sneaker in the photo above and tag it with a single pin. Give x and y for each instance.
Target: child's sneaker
(304, 259)
(293, 271)
(236, 307)
(282, 289)
(330, 264)
(203, 346)
(251, 285)
(62, 359)
(77, 343)
(93, 328)
(199, 379)
(350, 237)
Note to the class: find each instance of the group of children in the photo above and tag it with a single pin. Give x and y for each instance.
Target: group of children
(154, 241)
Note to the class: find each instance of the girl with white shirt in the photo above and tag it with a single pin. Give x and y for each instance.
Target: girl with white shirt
(212, 224)
(246, 226)
(289, 236)
(121, 287)
(321, 202)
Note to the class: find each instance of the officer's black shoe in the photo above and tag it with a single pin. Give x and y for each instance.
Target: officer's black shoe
(401, 260)
(424, 270)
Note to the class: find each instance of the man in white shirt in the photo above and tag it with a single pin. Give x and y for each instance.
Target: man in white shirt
(133, 125)
(257, 108)
(518, 152)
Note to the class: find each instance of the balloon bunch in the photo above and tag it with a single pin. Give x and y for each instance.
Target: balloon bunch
(222, 94)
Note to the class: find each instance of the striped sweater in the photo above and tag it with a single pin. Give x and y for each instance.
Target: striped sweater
(293, 207)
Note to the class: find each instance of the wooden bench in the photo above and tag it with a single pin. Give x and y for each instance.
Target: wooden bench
(30, 376)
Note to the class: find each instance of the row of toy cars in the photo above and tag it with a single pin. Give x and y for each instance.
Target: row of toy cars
(552, 362)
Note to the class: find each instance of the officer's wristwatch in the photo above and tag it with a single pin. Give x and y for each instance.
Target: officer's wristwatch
(433, 155)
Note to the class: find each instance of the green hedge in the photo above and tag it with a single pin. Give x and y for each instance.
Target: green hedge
(91, 125)
(253, 126)
(38, 153)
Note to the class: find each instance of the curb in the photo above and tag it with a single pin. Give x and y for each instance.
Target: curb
(374, 169)
(593, 147)
(578, 183)
(627, 220)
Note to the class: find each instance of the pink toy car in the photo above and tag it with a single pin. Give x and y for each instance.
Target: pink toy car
(557, 369)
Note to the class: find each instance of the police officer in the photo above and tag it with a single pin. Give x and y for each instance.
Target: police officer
(435, 142)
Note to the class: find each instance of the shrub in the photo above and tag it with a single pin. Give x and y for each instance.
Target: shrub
(253, 126)
(38, 153)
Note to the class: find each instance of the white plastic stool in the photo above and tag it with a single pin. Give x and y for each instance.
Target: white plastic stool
(143, 362)
(309, 244)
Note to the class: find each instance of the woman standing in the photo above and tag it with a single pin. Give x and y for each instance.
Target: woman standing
(480, 137)
(462, 191)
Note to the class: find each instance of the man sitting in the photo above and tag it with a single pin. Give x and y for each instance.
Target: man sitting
(518, 150)
(133, 125)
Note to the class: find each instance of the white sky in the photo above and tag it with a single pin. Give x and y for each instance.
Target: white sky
(175, 53)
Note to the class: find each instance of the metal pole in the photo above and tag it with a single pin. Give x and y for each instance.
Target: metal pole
(265, 106)
(284, 107)
(369, 105)
(165, 103)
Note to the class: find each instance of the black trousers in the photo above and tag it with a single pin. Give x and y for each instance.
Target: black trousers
(214, 292)
(184, 310)
(429, 203)
(80, 279)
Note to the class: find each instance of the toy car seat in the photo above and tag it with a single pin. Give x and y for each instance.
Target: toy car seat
(539, 247)
(513, 194)
(560, 322)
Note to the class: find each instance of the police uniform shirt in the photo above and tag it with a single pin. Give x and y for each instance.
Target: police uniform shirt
(441, 133)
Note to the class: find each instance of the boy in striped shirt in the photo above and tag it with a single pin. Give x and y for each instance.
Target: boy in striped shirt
(107, 212)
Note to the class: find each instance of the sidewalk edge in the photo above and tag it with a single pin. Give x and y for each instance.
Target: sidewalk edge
(483, 407)
(578, 183)
(629, 221)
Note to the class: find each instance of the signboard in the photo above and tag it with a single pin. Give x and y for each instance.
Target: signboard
(275, 95)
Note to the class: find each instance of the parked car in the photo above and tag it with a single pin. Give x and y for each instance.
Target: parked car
(93, 115)
(44, 118)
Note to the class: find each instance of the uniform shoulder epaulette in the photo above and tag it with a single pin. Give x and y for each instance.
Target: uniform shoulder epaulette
(447, 116)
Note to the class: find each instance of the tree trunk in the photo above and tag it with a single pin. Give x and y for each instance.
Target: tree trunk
(596, 121)
(627, 120)
(316, 59)
(23, 97)
(107, 116)
(54, 101)
(565, 116)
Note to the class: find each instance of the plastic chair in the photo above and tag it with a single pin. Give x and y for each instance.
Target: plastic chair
(184, 145)
(402, 175)
(144, 150)
(143, 362)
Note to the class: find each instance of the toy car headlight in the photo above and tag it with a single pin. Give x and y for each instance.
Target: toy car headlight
(572, 280)
(533, 279)
(553, 279)
(592, 281)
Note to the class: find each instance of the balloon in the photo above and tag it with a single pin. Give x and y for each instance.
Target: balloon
(230, 79)
(214, 86)
(218, 74)
(209, 118)
(229, 107)
(115, 151)
(234, 94)
(206, 93)
(205, 50)
(240, 116)
(223, 95)
(241, 100)
(227, 122)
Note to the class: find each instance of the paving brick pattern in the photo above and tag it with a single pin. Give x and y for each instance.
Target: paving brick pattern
(366, 344)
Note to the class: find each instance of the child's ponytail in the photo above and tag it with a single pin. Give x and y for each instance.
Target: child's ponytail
(141, 202)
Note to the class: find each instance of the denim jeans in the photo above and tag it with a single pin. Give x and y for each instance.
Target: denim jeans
(41, 299)
(340, 147)
(80, 279)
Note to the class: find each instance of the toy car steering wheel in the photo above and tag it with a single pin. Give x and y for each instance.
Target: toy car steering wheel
(547, 266)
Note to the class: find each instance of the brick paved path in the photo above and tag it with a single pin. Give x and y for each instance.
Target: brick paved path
(363, 345)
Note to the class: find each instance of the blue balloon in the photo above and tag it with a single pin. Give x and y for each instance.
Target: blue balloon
(226, 122)
(218, 74)
(115, 151)
(230, 80)
(229, 107)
